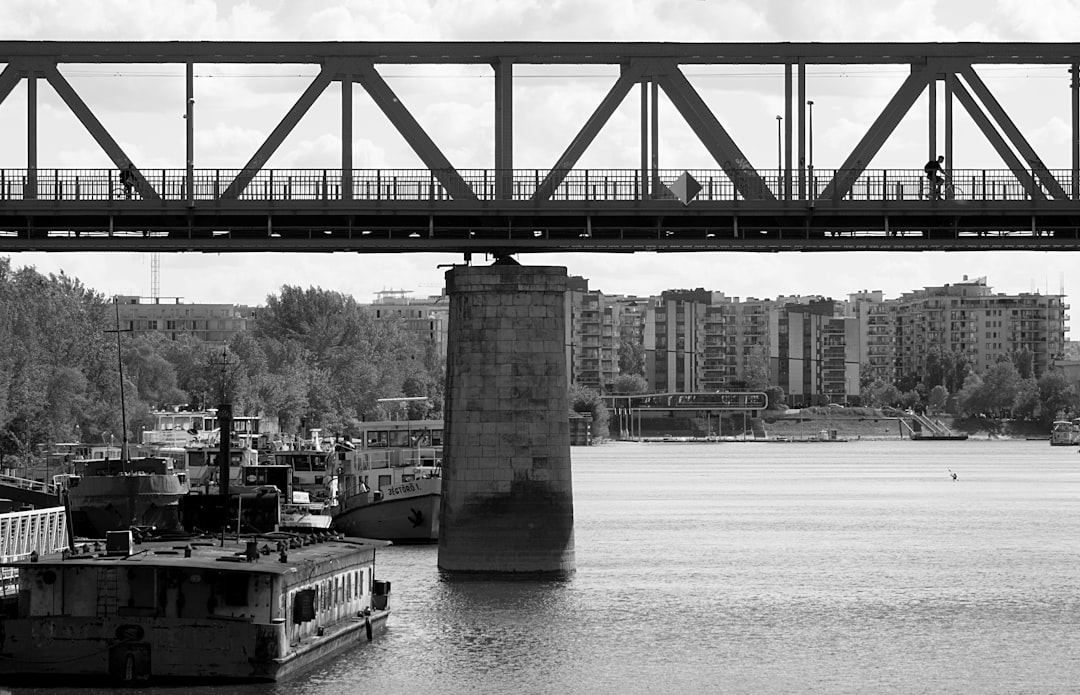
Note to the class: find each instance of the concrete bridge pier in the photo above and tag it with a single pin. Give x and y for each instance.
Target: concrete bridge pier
(507, 500)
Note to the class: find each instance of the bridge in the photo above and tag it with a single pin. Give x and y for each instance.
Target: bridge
(734, 205)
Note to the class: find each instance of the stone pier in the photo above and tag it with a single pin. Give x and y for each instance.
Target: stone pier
(507, 502)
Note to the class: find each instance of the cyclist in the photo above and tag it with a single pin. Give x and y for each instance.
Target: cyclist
(935, 174)
(127, 179)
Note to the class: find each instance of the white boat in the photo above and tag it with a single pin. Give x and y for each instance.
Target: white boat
(390, 481)
(1065, 433)
(209, 609)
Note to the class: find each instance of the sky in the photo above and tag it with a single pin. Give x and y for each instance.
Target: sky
(237, 106)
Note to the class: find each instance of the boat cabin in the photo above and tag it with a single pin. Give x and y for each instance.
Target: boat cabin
(256, 609)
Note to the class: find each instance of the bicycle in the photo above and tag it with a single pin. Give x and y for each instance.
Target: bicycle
(943, 188)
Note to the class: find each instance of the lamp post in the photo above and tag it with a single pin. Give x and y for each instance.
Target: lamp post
(810, 122)
(779, 144)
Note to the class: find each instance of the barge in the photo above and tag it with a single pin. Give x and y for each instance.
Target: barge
(204, 609)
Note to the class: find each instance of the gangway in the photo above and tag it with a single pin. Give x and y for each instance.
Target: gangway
(23, 533)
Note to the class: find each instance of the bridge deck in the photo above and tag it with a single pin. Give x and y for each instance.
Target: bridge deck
(597, 210)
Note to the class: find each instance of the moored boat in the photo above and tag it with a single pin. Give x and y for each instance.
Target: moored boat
(261, 608)
(1065, 433)
(390, 482)
(114, 494)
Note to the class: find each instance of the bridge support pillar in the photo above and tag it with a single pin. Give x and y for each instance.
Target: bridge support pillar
(507, 501)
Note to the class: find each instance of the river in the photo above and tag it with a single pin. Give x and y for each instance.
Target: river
(842, 567)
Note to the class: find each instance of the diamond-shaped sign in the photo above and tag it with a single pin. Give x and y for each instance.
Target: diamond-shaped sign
(685, 188)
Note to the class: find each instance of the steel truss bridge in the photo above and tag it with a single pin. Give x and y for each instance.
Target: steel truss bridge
(505, 209)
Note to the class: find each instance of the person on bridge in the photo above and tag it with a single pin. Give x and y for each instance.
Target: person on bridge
(935, 174)
(127, 179)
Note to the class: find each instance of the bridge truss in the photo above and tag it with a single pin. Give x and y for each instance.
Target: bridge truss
(501, 210)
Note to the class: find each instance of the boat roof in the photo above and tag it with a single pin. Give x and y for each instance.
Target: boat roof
(208, 553)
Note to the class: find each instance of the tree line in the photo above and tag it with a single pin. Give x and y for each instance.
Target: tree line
(311, 358)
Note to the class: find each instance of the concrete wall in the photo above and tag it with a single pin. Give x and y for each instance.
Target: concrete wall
(507, 503)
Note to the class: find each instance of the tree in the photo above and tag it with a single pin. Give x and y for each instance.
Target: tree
(756, 369)
(1057, 397)
(939, 397)
(631, 356)
(971, 399)
(879, 394)
(776, 397)
(587, 401)
(1002, 385)
(1027, 404)
(1024, 361)
(629, 384)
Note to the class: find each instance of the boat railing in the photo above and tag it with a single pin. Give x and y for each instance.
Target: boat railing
(27, 484)
(369, 459)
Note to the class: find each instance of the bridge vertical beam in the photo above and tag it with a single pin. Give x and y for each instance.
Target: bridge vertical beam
(189, 116)
(346, 137)
(644, 192)
(507, 499)
(504, 128)
(31, 136)
(931, 113)
(787, 131)
(1075, 142)
(654, 137)
(950, 81)
(802, 129)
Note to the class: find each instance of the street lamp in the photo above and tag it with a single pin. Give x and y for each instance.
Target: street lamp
(779, 144)
(810, 122)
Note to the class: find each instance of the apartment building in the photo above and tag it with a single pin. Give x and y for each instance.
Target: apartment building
(815, 351)
(969, 318)
(169, 316)
(876, 320)
(593, 344)
(424, 317)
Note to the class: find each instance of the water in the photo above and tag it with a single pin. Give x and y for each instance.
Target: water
(760, 568)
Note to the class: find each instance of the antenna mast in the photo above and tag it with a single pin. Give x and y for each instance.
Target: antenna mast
(155, 275)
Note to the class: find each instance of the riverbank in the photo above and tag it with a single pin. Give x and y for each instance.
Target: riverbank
(870, 423)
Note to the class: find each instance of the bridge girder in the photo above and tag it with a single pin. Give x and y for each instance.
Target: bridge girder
(782, 206)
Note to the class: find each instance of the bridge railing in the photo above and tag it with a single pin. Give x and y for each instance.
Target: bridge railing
(577, 185)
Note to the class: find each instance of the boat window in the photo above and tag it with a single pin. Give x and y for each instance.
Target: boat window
(377, 439)
(318, 463)
(399, 438)
(304, 606)
(384, 481)
(236, 590)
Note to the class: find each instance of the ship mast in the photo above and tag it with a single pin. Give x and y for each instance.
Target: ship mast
(120, 367)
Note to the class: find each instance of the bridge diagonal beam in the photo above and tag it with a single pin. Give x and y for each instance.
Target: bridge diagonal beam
(278, 135)
(96, 129)
(712, 134)
(600, 116)
(8, 79)
(1013, 133)
(395, 110)
(999, 144)
(878, 133)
